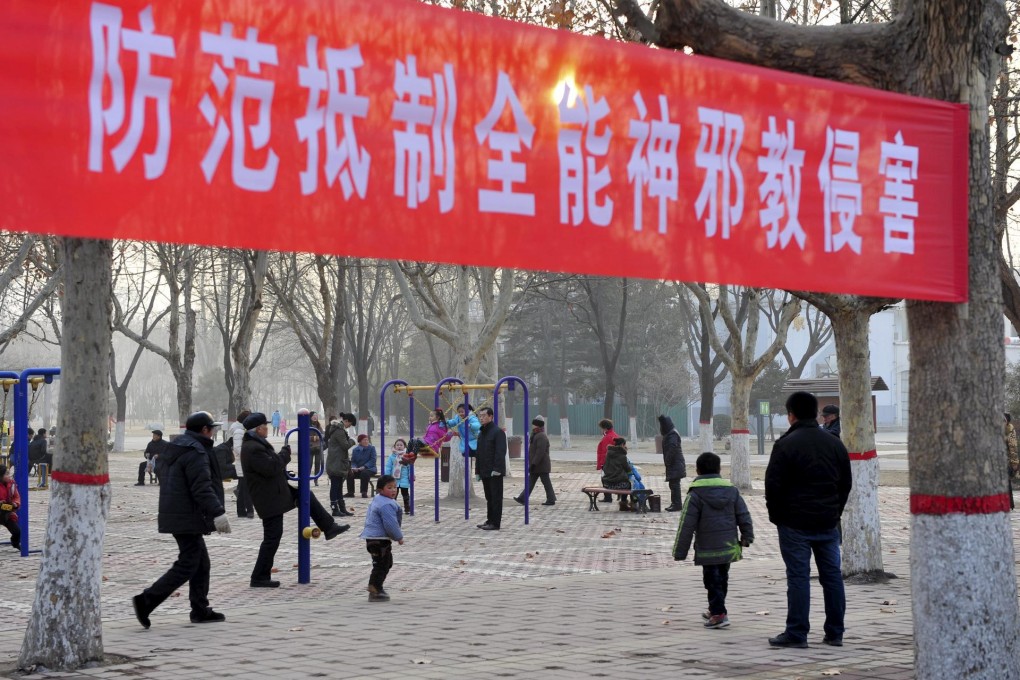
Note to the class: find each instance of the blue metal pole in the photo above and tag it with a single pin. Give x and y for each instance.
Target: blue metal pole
(21, 445)
(439, 387)
(382, 421)
(511, 380)
(304, 495)
(13, 460)
(410, 436)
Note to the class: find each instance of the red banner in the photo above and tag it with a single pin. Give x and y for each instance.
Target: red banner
(393, 129)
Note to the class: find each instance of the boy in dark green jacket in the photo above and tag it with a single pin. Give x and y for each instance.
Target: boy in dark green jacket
(713, 511)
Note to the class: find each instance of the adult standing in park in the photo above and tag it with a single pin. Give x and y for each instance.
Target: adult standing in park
(490, 467)
(39, 454)
(608, 437)
(540, 464)
(276, 422)
(266, 472)
(830, 420)
(315, 442)
(338, 462)
(245, 508)
(190, 506)
(673, 457)
(807, 484)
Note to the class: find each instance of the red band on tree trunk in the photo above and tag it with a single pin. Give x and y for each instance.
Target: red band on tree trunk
(867, 455)
(740, 432)
(85, 480)
(924, 504)
(705, 422)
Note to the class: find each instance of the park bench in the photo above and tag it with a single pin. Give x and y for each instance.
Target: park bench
(639, 496)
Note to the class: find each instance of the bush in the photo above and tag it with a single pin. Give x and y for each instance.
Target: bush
(721, 425)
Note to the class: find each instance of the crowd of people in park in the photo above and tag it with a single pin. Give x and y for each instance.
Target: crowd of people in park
(807, 484)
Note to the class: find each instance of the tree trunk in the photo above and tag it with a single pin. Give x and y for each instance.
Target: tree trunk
(706, 436)
(632, 428)
(740, 451)
(565, 432)
(65, 629)
(862, 538)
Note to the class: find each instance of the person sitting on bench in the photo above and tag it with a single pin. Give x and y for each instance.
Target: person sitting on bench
(617, 469)
(152, 451)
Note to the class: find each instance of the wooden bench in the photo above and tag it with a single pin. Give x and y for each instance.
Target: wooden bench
(639, 496)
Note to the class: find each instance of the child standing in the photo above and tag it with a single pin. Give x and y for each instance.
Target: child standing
(382, 527)
(714, 510)
(401, 471)
(10, 501)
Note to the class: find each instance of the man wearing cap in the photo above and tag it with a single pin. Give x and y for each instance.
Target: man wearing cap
(265, 471)
(830, 420)
(152, 451)
(190, 506)
(539, 464)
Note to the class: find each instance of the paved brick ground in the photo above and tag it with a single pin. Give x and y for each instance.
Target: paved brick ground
(574, 594)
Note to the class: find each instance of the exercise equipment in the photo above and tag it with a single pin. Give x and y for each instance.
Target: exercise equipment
(304, 479)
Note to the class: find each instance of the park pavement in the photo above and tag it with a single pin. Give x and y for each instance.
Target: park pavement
(573, 594)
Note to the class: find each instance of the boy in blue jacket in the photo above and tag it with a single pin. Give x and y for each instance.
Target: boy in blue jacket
(382, 527)
(713, 511)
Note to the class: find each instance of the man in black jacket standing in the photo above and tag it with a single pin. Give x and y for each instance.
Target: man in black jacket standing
(190, 506)
(673, 457)
(490, 467)
(266, 473)
(807, 484)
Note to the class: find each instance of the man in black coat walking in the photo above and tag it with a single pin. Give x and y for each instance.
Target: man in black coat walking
(190, 506)
(266, 473)
(673, 457)
(807, 484)
(490, 467)
(539, 463)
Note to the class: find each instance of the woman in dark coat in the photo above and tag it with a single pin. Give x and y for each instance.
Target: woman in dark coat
(673, 457)
(617, 469)
(338, 462)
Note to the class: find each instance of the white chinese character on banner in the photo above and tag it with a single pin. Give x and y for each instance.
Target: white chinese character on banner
(578, 146)
(423, 153)
(505, 169)
(779, 191)
(255, 54)
(653, 168)
(899, 166)
(838, 178)
(721, 136)
(345, 159)
(108, 37)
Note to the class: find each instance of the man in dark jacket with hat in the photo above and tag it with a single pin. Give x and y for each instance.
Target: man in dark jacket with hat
(190, 506)
(807, 484)
(490, 467)
(152, 451)
(266, 473)
(673, 457)
(539, 463)
(830, 420)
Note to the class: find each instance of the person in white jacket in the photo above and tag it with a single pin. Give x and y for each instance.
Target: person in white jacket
(245, 507)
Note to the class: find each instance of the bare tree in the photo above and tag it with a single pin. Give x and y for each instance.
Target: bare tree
(30, 276)
(811, 319)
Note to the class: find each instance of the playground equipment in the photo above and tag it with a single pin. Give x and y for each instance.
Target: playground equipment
(34, 378)
(450, 385)
(306, 532)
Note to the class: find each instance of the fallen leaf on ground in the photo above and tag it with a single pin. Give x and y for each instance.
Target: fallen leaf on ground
(888, 601)
(666, 609)
(887, 610)
(529, 556)
(666, 622)
(274, 570)
(560, 531)
(609, 534)
(291, 630)
(422, 661)
(832, 671)
(763, 612)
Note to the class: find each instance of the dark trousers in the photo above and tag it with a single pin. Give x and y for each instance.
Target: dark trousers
(493, 488)
(316, 463)
(272, 532)
(381, 551)
(676, 498)
(141, 471)
(336, 492)
(550, 495)
(12, 526)
(797, 547)
(405, 493)
(191, 567)
(717, 581)
(364, 476)
(245, 508)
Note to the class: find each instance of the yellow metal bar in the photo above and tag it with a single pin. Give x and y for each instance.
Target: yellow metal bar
(6, 383)
(36, 380)
(449, 387)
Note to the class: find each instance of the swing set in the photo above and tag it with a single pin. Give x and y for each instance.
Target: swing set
(450, 385)
(18, 453)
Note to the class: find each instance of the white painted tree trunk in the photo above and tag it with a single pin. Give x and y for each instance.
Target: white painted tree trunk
(632, 428)
(706, 436)
(740, 452)
(509, 420)
(363, 426)
(65, 630)
(118, 437)
(456, 488)
(565, 433)
(862, 536)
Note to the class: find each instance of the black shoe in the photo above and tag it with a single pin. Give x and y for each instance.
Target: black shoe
(346, 513)
(519, 500)
(549, 503)
(336, 512)
(251, 516)
(349, 495)
(674, 508)
(490, 527)
(483, 525)
(784, 640)
(140, 484)
(336, 530)
(141, 613)
(832, 641)
(208, 616)
(264, 584)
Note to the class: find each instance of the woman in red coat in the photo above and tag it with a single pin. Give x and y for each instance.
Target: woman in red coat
(10, 501)
(608, 435)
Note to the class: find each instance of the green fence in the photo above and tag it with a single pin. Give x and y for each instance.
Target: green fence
(584, 418)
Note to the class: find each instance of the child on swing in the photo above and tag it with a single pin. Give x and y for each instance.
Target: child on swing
(399, 465)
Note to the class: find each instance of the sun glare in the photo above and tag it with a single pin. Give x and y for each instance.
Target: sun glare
(567, 87)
